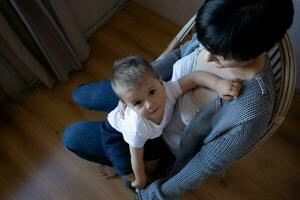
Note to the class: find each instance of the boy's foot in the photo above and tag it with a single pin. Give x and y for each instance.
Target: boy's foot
(107, 172)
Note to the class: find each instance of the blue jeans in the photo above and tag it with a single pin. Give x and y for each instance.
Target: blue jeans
(85, 138)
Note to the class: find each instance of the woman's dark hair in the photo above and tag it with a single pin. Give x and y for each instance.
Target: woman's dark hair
(242, 29)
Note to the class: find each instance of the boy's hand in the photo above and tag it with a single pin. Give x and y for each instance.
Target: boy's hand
(228, 89)
(139, 183)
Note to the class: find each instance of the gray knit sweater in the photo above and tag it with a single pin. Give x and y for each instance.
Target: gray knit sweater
(217, 136)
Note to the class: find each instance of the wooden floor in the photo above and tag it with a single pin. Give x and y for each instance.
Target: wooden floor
(34, 165)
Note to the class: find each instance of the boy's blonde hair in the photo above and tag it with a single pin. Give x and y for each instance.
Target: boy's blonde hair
(127, 73)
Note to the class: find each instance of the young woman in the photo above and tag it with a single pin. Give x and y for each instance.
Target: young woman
(235, 36)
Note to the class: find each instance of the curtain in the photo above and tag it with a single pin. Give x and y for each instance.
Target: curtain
(39, 43)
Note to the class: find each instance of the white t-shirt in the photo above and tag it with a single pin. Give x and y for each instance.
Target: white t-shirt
(136, 129)
(186, 107)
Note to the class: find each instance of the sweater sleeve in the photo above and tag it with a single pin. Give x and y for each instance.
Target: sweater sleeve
(213, 158)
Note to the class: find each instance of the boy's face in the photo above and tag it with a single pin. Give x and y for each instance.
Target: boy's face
(148, 99)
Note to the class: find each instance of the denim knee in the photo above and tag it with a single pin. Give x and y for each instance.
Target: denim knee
(82, 95)
(69, 136)
(96, 96)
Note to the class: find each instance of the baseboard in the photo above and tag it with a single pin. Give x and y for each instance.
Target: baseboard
(105, 19)
(35, 83)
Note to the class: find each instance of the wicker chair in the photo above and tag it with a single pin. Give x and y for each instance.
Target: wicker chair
(285, 77)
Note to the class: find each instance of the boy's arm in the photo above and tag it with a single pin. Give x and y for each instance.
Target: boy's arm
(225, 88)
(138, 168)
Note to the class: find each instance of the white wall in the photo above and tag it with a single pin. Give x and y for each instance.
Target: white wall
(91, 14)
(179, 11)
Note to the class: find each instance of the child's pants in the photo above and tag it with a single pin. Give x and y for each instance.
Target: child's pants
(101, 143)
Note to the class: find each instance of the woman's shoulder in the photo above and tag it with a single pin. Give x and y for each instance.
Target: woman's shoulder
(257, 97)
(261, 86)
(185, 65)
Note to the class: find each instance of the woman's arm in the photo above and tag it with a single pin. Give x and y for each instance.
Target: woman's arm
(164, 64)
(211, 159)
(138, 167)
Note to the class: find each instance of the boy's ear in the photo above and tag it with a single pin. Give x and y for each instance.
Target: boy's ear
(161, 79)
(123, 102)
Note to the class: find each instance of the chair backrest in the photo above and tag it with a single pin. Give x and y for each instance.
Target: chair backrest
(284, 70)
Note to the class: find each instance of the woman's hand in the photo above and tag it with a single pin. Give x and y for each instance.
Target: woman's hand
(228, 89)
